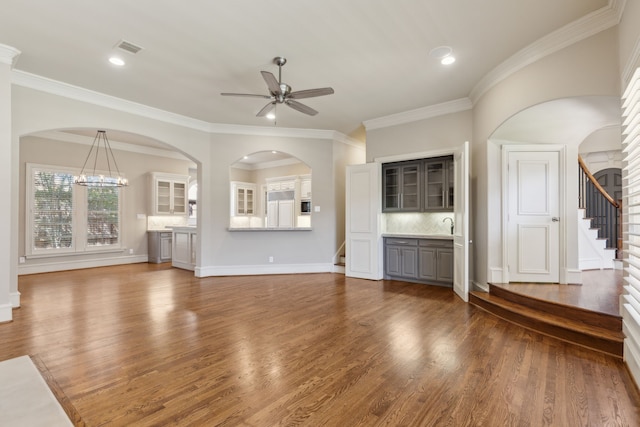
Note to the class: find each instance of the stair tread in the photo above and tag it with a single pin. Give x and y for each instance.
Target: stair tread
(551, 319)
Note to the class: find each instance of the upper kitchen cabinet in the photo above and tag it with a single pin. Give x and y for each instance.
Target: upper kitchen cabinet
(438, 184)
(242, 198)
(169, 194)
(401, 187)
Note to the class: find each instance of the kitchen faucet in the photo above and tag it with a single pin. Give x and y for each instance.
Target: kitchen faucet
(450, 219)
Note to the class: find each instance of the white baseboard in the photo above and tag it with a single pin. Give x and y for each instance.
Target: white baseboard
(573, 277)
(15, 299)
(47, 267)
(632, 360)
(484, 287)
(250, 270)
(496, 275)
(6, 313)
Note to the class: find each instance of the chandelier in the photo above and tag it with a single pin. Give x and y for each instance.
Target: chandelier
(91, 177)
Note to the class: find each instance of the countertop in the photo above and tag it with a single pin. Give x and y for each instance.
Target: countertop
(419, 236)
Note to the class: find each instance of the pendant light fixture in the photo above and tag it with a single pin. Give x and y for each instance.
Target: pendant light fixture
(92, 177)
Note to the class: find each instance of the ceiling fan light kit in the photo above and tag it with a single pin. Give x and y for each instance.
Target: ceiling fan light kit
(281, 93)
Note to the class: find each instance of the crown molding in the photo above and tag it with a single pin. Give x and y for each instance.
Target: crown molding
(418, 114)
(593, 23)
(44, 84)
(8, 55)
(116, 145)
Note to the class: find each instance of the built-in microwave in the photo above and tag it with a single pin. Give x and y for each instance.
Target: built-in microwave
(305, 207)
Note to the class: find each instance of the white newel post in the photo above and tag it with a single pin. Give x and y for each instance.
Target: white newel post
(8, 265)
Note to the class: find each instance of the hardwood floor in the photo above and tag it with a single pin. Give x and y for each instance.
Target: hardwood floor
(600, 291)
(146, 344)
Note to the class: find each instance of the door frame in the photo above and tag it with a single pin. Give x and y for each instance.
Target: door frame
(562, 203)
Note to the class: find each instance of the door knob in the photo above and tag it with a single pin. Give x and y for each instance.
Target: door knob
(555, 219)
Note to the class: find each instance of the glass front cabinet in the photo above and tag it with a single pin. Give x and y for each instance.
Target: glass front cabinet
(401, 187)
(424, 185)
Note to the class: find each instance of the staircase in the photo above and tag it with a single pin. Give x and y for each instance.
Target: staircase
(599, 223)
(594, 253)
(596, 331)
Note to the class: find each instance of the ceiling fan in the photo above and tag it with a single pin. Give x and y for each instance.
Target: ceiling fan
(280, 93)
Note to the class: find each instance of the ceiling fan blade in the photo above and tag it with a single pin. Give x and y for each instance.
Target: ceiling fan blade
(246, 95)
(274, 86)
(300, 107)
(310, 93)
(266, 109)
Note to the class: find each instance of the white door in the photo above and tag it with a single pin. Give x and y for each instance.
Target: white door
(461, 230)
(363, 242)
(533, 236)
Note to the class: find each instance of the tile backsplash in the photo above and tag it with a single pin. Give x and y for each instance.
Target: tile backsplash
(420, 223)
(160, 222)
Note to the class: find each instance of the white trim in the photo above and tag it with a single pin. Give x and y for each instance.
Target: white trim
(8, 54)
(593, 23)
(43, 84)
(450, 107)
(116, 145)
(47, 267)
(6, 313)
(573, 276)
(15, 299)
(562, 205)
(415, 156)
(250, 270)
(632, 65)
(483, 287)
(496, 275)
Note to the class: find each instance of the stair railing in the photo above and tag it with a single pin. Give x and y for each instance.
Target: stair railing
(604, 211)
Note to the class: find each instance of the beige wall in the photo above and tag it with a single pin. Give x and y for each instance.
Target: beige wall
(629, 37)
(448, 131)
(136, 197)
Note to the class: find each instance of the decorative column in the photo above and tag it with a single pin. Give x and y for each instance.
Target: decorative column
(8, 265)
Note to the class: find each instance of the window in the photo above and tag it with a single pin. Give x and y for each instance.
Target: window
(63, 218)
(631, 233)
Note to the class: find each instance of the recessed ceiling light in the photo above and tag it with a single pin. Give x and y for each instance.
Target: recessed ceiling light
(448, 60)
(245, 157)
(274, 152)
(116, 61)
(271, 115)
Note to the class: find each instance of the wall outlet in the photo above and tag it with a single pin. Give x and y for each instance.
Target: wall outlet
(270, 259)
(316, 208)
(130, 251)
(22, 260)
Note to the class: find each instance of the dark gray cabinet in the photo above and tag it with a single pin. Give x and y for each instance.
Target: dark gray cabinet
(401, 187)
(438, 184)
(401, 258)
(419, 260)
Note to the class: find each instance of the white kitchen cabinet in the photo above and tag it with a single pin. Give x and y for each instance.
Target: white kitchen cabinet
(243, 198)
(281, 213)
(305, 187)
(169, 194)
(184, 248)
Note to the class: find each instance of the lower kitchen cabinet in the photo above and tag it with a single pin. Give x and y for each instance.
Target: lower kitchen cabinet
(419, 260)
(184, 248)
(159, 245)
(401, 258)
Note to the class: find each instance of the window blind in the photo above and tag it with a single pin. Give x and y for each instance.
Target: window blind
(52, 210)
(631, 223)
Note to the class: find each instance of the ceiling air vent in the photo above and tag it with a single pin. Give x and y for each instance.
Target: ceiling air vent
(128, 47)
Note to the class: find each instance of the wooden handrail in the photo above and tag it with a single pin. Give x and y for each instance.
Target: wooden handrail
(595, 183)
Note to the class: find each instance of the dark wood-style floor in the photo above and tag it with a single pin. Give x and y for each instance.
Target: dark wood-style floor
(146, 344)
(600, 291)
